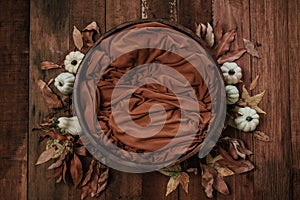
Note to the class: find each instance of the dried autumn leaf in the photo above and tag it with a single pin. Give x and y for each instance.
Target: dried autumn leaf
(51, 99)
(254, 83)
(240, 148)
(261, 136)
(77, 38)
(184, 180)
(60, 161)
(231, 56)
(88, 173)
(223, 171)
(174, 170)
(250, 48)
(221, 186)
(89, 35)
(76, 170)
(223, 45)
(46, 65)
(252, 101)
(85, 191)
(102, 182)
(93, 26)
(45, 156)
(218, 31)
(172, 184)
(207, 180)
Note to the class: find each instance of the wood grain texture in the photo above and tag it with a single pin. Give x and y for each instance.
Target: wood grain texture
(294, 76)
(120, 11)
(234, 14)
(194, 11)
(14, 26)
(49, 38)
(272, 177)
(160, 9)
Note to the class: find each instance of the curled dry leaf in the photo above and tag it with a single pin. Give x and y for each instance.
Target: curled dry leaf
(231, 56)
(254, 83)
(223, 45)
(93, 26)
(221, 186)
(261, 136)
(46, 65)
(51, 99)
(77, 38)
(250, 48)
(89, 35)
(60, 161)
(184, 180)
(207, 180)
(209, 37)
(46, 156)
(76, 170)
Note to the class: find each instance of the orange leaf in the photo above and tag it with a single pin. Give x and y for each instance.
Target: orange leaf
(51, 99)
(46, 65)
(223, 45)
(77, 38)
(76, 170)
(231, 56)
(45, 156)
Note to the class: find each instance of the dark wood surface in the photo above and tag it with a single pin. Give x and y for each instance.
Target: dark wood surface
(44, 27)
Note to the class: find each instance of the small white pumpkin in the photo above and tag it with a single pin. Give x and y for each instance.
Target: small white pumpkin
(72, 61)
(232, 94)
(248, 120)
(232, 72)
(64, 82)
(70, 125)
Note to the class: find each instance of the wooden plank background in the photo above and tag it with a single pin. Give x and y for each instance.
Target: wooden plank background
(37, 30)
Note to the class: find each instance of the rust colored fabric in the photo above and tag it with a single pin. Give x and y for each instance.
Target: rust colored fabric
(150, 94)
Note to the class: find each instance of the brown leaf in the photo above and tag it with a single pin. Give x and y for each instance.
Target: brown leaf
(250, 48)
(223, 45)
(93, 26)
(184, 180)
(231, 56)
(261, 136)
(81, 150)
(88, 173)
(85, 191)
(77, 38)
(76, 170)
(46, 65)
(207, 180)
(221, 186)
(53, 135)
(45, 156)
(64, 171)
(252, 101)
(51, 99)
(102, 182)
(254, 83)
(60, 161)
(223, 171)
(218, 31)
(172, 184)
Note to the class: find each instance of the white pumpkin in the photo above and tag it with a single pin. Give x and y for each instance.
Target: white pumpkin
(248, 120)
(232, 72)
(232, 94)
(70, 125)
(64, 82)
(72, 61)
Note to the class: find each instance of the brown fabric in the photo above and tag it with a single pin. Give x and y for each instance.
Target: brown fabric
(151, 94)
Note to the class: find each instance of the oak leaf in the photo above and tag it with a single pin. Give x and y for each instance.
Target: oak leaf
(250, 48)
